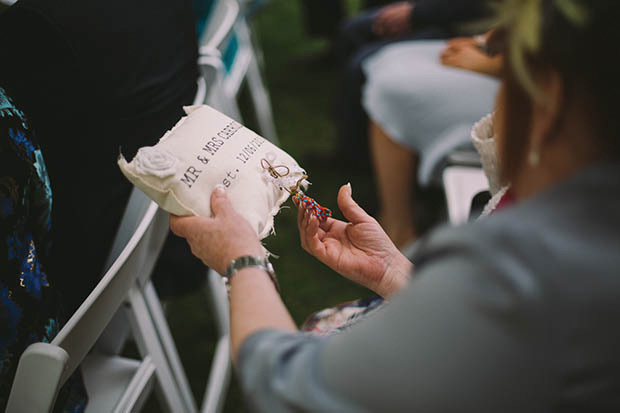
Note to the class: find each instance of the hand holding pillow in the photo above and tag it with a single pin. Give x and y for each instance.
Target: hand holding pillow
(220, 239)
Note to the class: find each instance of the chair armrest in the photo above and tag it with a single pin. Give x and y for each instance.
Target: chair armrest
(38, 379)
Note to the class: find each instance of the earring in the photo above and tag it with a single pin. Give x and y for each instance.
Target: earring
(533, 157)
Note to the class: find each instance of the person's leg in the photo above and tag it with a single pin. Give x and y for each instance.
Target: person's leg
(395, 172)
(416, 104)
(356, 44)
(350, 118)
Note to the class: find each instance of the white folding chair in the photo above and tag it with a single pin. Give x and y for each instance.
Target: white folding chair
(221, 367)
(113, 383)
(450, 148)
(114, 338)
(228, 57)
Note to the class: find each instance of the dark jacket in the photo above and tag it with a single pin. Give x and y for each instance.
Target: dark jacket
(95, 76)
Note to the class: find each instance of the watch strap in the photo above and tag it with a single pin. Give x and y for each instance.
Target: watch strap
(246, 261)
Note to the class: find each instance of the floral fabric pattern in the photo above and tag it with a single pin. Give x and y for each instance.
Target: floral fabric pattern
(29, 309)
(337, 319)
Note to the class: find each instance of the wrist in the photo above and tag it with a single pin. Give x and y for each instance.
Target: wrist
(396, 275)
(250, 250)
(245, 262)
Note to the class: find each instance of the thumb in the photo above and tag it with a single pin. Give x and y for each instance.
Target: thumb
(220, 203)
(351, 211)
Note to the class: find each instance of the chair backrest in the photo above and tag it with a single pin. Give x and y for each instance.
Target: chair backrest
(435, 156)
(53, 363)
(219, 28)
(202, 11)
(201, 91)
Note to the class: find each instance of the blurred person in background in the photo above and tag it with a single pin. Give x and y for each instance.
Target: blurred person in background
(517, 312)
(323, 18)
(362, 36)
(95, 77)
(418, 96)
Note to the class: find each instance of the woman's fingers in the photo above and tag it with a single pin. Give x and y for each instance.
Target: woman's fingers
(309, 232)
(313, 226)
(177, 225)
(313, 241)
(300, 216)
(306, 222)
(185, 226)
(220, 203)
(350, 209)
(449, 59)
(303, 228)
(327, 225)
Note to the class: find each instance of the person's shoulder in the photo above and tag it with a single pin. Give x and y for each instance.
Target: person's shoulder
(481, 236)
(489, 258)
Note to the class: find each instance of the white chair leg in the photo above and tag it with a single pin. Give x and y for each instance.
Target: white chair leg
(225, 103)
(261, 101)
(219, 376)
(216, 290)
(258, 91)
(161, 325)
(149, 343)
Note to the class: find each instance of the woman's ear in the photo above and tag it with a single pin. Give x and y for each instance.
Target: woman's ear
(546, 112)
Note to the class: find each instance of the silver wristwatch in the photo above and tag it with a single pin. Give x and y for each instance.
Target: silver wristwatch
(249, 261)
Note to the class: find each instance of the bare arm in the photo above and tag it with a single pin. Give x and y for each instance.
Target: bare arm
(254, 302)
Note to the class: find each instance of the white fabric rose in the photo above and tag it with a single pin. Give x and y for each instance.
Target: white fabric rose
(154, 161)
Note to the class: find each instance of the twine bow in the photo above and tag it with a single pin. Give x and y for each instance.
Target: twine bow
(299, 199)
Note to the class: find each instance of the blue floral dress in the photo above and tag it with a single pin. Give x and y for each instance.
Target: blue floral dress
(30, 310)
